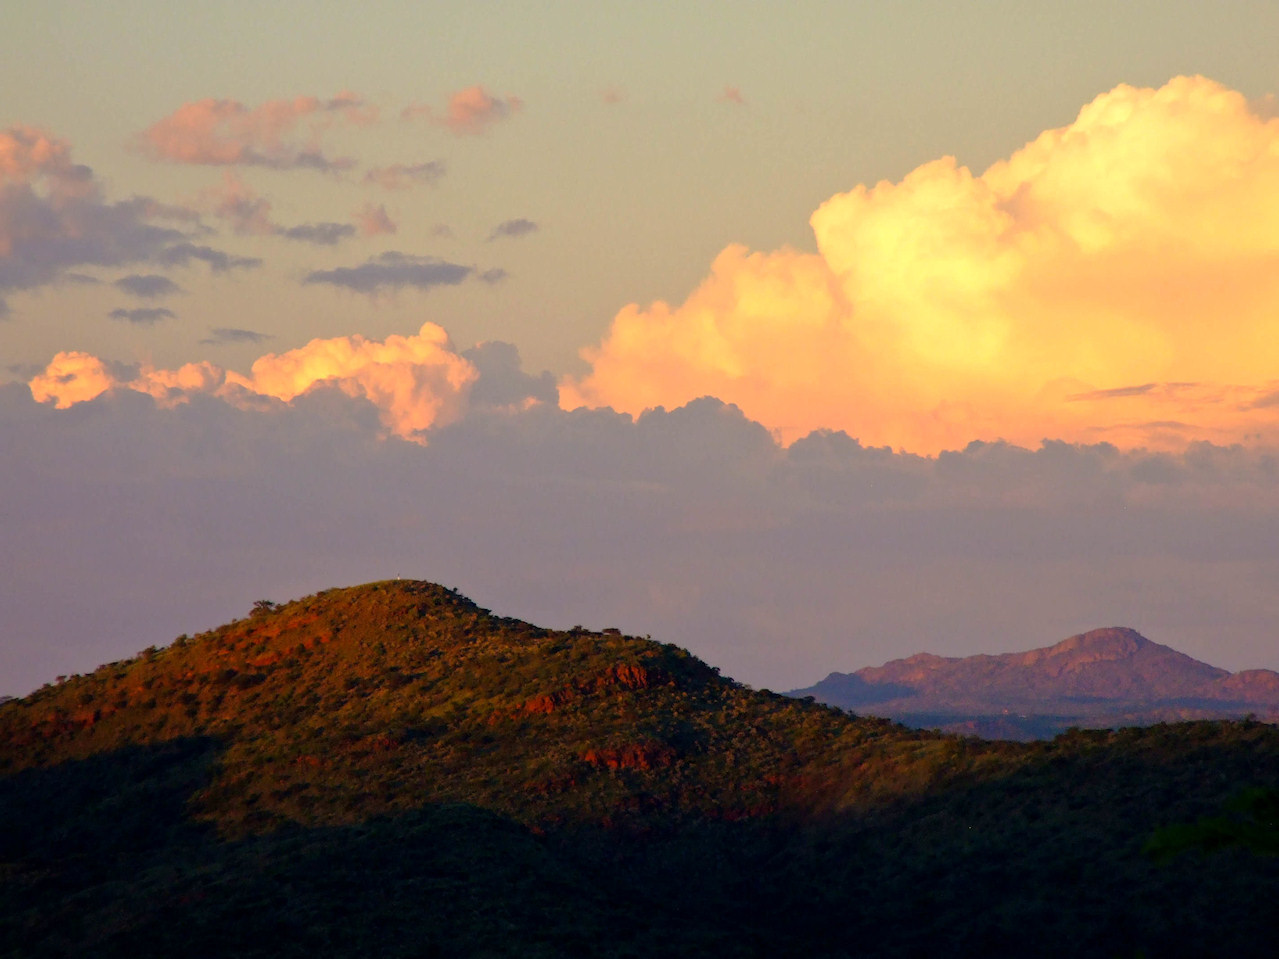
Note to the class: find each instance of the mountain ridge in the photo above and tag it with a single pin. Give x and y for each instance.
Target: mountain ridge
(1111, 675)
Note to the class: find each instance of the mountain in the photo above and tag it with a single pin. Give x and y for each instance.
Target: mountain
(391, 770)
(1106, 677)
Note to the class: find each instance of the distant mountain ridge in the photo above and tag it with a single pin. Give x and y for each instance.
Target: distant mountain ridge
(1105, 677)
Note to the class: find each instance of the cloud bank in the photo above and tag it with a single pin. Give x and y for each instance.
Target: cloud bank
(137, 517)
(1115, 279)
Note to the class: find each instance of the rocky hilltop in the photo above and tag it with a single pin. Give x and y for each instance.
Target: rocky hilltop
(1105, 677)
(391, 770)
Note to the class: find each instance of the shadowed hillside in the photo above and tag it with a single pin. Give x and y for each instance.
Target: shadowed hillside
(391, 770)
(1106, 677)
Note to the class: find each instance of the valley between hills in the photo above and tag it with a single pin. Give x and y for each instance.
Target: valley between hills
(391, 770)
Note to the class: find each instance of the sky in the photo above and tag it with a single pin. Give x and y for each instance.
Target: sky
(806, 336)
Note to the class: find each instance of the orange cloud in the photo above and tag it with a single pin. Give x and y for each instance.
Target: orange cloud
(71, 378)
(1115, 279)
(225, 132)
(470, 111)
(416, 382)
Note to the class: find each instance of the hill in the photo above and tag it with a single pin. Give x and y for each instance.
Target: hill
(1103, 678)
(391, 770)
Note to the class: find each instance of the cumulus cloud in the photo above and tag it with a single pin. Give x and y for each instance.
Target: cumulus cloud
(148, 286)
(470, 111)
(70, 378)
(143, 315)
(1116, 279)
(392, 270)
(230, 334)
(54, 218)
(401, 176)
(416, 382)
(375, 221)
(226, 132)
(513, 228)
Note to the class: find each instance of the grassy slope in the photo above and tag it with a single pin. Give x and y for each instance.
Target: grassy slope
(390, 769)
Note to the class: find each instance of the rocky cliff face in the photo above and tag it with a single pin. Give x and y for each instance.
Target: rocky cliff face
(1112, 676)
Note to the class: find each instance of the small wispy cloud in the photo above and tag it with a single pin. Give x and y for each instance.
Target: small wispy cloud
(142, 316)
(733, 95)
(220, 335)
(402, 176)
(393, 270)
(148, 286)
(321, 234)
(512, 229)
(181, 254)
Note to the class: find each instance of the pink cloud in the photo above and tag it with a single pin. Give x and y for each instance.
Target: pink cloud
(214, 132)
(470, 111)
(375, 221)
(733, 95)
(235, 201)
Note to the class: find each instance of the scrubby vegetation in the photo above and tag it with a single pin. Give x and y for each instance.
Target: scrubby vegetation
(391, 770)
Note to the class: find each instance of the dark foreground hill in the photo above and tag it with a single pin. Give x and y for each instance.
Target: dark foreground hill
(389, 770)
(1103, 678)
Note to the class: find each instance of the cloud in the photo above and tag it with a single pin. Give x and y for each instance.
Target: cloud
(239, 204)
(148, 286)
(416, 383)
(142, 316)
(53, 217)
(470, 112)
(375, 221)
(229, 334)
(249, 213)
(393, 270)
(400, 176)
(214, 132)
(71, 378)
(1137, 245)
(321, 234)
(731, 94)
(613, 96)
(181, 254)
(513, 228)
